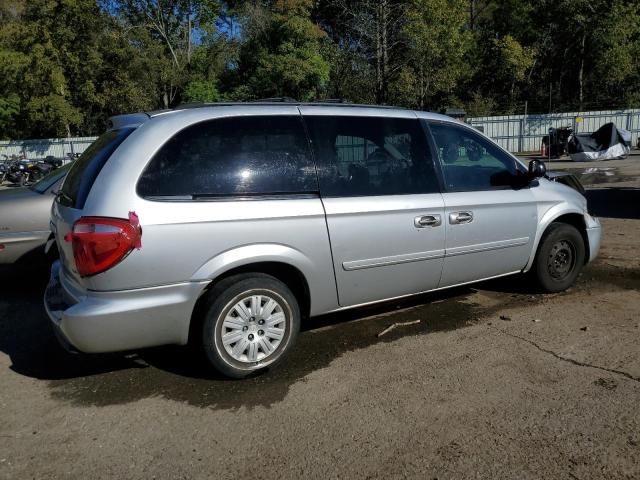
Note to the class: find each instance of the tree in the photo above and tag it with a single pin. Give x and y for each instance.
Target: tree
(46, 53)
(9, 110)
(201, 91)
(509, 64)
(281, 53)
(171, 24)
(351, 78)
(67, 65)
(437, 44)
(616, 41)
(371, 29)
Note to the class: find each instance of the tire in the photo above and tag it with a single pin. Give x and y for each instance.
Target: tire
(560, 257)
(239, 341)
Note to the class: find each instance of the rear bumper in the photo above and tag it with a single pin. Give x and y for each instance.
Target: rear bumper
(95, 322)
(594, 235)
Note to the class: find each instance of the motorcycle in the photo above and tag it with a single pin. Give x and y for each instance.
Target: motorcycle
(6, 166)
(26, 172)
(39, 170)
(53, 161)
(4, 169)
(18, 172)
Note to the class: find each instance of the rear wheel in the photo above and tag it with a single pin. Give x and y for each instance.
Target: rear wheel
(251, 322)
(560, 257)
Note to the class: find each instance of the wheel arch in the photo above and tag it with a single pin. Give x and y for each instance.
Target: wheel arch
(282, 268)
(571, 217)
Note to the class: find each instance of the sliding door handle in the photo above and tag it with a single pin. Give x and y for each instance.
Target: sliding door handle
(424, 221)
(457, 218)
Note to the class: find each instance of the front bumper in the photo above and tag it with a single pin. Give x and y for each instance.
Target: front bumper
(96, 322)
(594, 235)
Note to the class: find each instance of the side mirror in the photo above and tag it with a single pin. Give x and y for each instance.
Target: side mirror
(537, 169)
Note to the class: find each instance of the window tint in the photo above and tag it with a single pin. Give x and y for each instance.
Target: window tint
(470, 162)
(233, 156)
(371, 156)
(86, 168)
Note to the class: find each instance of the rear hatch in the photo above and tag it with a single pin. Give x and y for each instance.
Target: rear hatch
(70, 200)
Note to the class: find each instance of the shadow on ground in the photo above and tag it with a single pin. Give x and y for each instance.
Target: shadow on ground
(617, 202)
(179, 374)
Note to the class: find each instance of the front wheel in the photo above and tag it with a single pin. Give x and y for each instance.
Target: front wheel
(560, 257)
(251, 322)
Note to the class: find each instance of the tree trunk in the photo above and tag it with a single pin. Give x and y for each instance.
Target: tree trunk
(385, 49)
(378, 56)
(472, 15)
(513, 94)
(189, 37)
(421, 99)
(581, 71)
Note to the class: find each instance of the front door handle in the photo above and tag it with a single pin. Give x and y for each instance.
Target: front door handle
(456, 218)
(424, 221)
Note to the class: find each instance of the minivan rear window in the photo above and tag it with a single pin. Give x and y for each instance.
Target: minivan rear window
(85, 169)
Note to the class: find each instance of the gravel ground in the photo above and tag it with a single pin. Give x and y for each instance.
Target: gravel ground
(495, 381)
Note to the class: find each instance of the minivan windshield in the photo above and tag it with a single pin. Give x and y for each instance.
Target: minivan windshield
(85, 169)
(52, 177)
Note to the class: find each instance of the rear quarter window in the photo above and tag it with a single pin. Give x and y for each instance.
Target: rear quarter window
(238, 156)
(85, 170)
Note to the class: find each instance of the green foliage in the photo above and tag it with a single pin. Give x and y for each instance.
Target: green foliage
(512, 59)
(42, 49)
(201, 91)
(282, 54)
(618, 36)
(67, 65)
(9, 109)
(480, 106)
(438, 43)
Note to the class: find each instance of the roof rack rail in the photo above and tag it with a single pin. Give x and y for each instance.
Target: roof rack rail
(332, 100)
(190, 104)
(275, 100)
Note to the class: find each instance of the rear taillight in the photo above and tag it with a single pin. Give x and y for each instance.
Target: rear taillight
(99, 243)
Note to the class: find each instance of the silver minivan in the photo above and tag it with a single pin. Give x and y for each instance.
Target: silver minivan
(227, 225)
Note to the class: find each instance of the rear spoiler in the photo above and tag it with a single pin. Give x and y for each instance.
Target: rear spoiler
(128, 120)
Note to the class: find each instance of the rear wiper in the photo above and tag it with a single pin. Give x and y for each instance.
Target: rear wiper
(61, 195)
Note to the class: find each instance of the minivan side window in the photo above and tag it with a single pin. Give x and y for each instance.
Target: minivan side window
(359, 156)
(237, 156)
(471, 162)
